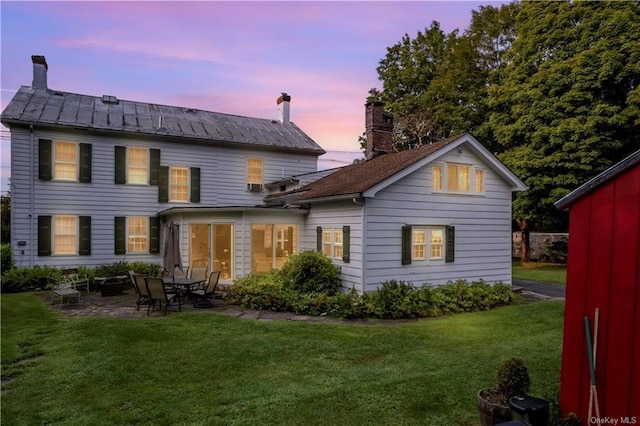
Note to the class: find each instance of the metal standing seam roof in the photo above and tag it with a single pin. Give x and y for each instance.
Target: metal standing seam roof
(107, 114)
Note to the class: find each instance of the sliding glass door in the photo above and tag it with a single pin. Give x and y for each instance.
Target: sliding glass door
(211, 245)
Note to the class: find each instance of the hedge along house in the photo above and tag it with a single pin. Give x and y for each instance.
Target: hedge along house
(603, 272)
(95, 178)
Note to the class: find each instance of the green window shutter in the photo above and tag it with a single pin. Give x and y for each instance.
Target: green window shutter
(44, 235)
(120, 235)
(84, 248)
(85, 163)
(154, 234)
(319, 239)
(346, 244)
(45, 159)
(121, 165)
(154, 161)
(449, 255)
(406, 245)
(195, 184)
(163, 185)
(290, 240)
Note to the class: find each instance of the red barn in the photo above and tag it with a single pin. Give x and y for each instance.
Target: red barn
(603, 272)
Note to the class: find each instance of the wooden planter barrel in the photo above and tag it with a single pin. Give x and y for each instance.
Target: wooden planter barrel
(491, 414)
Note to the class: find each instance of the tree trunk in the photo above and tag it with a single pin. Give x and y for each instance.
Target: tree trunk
(524, 228)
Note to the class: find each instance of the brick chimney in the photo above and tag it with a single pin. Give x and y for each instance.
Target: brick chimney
(284, 102)
(39, 72)
(379, 130)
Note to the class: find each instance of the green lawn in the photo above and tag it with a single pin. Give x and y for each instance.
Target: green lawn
(545, 272)
(202, 368)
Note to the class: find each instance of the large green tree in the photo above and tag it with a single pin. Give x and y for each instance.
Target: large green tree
(551, 87)
(568, 106)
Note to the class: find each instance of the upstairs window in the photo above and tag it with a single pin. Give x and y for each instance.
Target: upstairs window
(179, 184)
(254, 171)
(479, 181)
(65, 161)
(436, 177)
(138, 166)
(457, 178)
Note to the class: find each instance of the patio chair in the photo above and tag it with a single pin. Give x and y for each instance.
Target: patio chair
(63, 289)
(78, 281)
(140, 286)
(198, 273)
(203, 295)
(177, 273)
(158, 294)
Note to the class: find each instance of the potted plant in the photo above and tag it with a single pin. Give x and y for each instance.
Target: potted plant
(512, 380)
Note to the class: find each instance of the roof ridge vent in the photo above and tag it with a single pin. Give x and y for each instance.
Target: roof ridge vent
(108, 99)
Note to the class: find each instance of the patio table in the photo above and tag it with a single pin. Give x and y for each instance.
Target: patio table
(182, 285)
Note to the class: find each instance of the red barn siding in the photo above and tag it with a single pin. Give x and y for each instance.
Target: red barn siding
(604, 272)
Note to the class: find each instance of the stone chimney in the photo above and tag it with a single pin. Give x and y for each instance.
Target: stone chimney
(284, 102)
(379, 130)
(39, 72)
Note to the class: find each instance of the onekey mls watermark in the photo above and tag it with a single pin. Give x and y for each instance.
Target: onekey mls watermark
(614, 420)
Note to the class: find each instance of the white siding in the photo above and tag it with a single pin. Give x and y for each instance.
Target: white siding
(482, 229)
(223, 183)
(336, 215)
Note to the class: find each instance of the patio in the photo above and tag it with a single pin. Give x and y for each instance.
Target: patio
(124, 306)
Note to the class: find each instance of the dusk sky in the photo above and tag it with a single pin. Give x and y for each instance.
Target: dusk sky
(230, 57)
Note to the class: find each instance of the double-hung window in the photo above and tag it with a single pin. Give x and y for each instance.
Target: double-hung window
(65, 233)
(137, 234)
(138, 166)
(335, 243)
(179, 184)
(332, 243)
(65, 161)
(427, 243)
(255, 169)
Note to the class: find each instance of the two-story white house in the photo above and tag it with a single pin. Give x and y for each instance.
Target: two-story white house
(94, 180)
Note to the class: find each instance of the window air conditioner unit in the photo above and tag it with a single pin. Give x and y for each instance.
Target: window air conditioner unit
(254, 187)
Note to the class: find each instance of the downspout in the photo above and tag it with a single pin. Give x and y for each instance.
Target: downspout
(363, 239)
(31, 197)
(242, 247)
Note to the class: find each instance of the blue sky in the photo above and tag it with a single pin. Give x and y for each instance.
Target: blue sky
(231, 57)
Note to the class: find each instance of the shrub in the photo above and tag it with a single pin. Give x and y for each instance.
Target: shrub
(6, 255)
(122, 267)
(394, 300)
(28, 279)
(513, 378)
(558, 250)
(311, 272)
